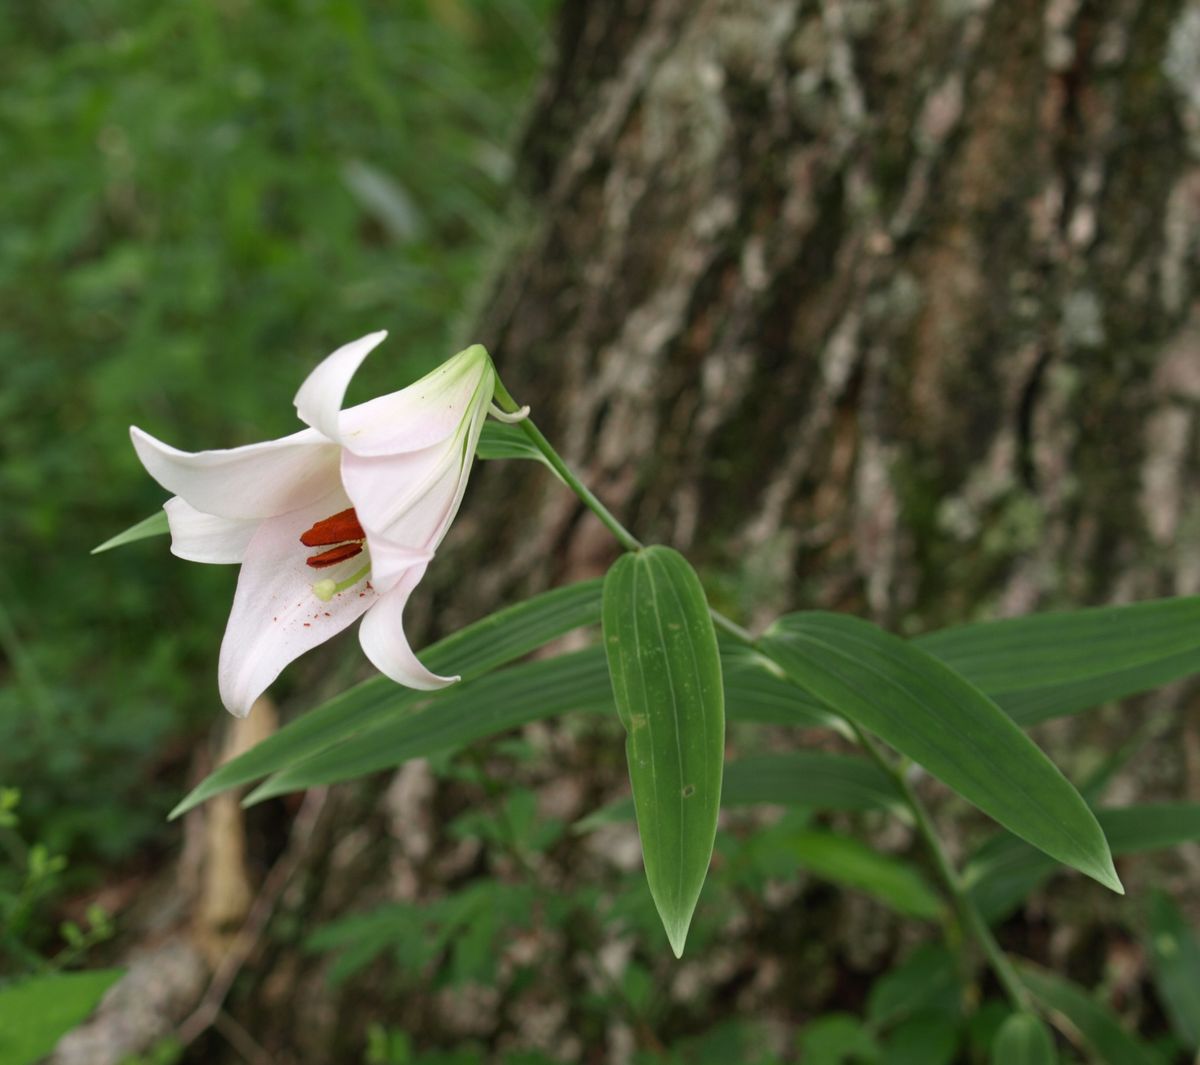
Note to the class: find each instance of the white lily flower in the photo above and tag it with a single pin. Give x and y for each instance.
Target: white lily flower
(332, 523)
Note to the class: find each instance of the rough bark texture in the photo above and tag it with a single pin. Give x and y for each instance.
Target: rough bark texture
(887, 306)
(880, 306)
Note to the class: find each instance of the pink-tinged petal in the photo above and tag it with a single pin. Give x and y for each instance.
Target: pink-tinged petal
(384, 643)
(390, 562)
(319, 401)
(255, 481)
(200, 537)
(276, 616)
(425, 413)
(411, 499)
(404, 498)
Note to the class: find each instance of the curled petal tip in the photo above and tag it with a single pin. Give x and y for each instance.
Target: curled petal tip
(508, 417)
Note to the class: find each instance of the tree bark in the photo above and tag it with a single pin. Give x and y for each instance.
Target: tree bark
(886, 307)
(871, 305)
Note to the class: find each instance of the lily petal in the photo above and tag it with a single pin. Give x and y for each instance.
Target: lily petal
(391, 561)
(433, 479)
(319, 401)
(403, 498)
(276, 617)
(427, 412)
(255, 481)
(200, 537)
(384, 643)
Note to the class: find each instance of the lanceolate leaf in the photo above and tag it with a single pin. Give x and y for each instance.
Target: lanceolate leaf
(848, 861)
(1048, 665)
(1005, 869)
(925, 710)
(155, 525)
(666, 680)
(472, 651)
(757, 690)
(36, 1012)
(929, 980)
(1088, 1019)
(500, 441)
(814, 780)
(1023, 1040)
(357, 712)
(1175, 959)
(454, 717)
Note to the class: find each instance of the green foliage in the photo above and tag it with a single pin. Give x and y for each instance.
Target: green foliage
(666, 682)
(851, 863)
(927, 981)
(35, 1012)
(466, 926)
(492, 641)
(1004, 871)
(931, 714)
(31, 876)
(1047, 665)
(1023, 1040)
(1090, 1019)
(200, 202)
(838, 1039)
(1175, 957)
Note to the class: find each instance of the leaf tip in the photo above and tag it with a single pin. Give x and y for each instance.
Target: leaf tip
(1107, 875)
(262, 793)
(677, 936)
(183, 806)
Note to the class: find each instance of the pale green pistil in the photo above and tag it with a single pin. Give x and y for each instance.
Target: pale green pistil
(328, 588)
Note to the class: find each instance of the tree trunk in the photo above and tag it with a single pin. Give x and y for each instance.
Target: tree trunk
(886, 306)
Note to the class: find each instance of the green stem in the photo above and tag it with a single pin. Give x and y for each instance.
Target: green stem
(624, 537)
(969, 916)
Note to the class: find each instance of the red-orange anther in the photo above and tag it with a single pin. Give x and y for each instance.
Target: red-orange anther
(334, 530)
(334, 555)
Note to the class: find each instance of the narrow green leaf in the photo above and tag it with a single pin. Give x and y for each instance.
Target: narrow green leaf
(927, 980)
(501, 441)
(1023, 1040)
(1048, 665)
(929, 1038)
(847, 861)
(666, 680)
(155, 525)
(1004, 870)
(454, 717)
(837, 1039)
(35, 1013)
(757, 690)
(357, 712)
(497, 639)
(1091, 1021)
(816, 780)
(1175, 960)
(927, 711)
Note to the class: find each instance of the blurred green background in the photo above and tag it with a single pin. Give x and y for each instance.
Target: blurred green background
(201, 200)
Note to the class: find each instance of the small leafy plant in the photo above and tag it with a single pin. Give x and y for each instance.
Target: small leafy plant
(354, 507)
